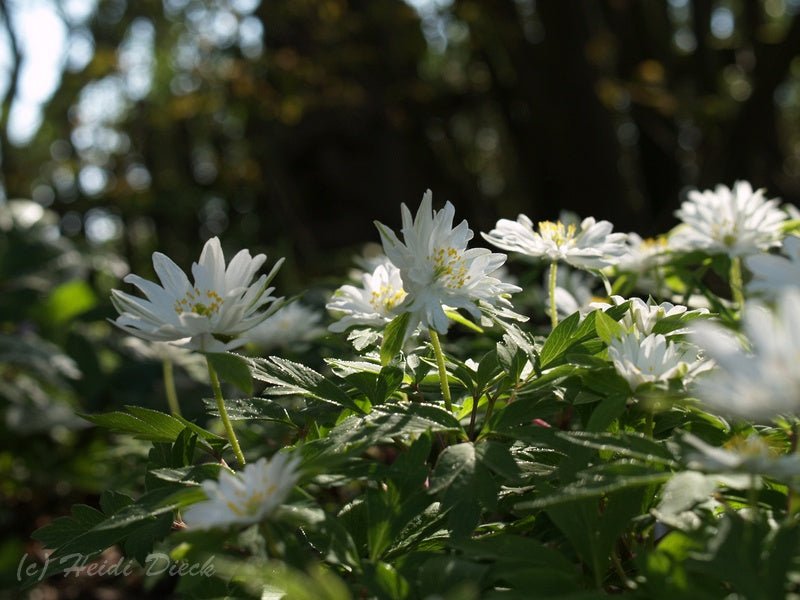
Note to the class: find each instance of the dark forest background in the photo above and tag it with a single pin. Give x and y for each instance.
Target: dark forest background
(290, 125)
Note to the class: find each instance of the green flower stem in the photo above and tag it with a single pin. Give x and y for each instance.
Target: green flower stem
(223, 413)
(489, 410)
(270, 547)
(737, 287)
(752, 499)
(169, 388)
(552, 289)
(437, 350)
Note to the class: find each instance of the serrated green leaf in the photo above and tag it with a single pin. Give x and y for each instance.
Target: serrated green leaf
(607, 328)
(393, 338)
(488, 369)
(240, 409)
(88, 532)
(635, 446)
(559, 340)
(289, 378)
(64, 529)
(454, 469)
(497, 458)
(515, 551)
(232, 368)
(183, 448)
(596, 486)
(142, 423)
(190, 475)
(382, 425)
(112, 502)
(386, 582)
(606, 412)
(139, 544)
(216, 442)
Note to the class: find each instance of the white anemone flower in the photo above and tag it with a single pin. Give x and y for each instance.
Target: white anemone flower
(773, 273)
(439, 271)
(736, 222)
(642, 317)
(221, 302)
(247, 497)
(763, 383)
(643, 254)
(653, 358)
(373, 304)
(750, 455)
(293, 326)
(588, 246)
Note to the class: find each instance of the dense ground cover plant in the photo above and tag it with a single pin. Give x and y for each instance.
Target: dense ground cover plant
(476, 440)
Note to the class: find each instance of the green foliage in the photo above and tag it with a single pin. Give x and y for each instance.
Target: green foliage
(549, 476)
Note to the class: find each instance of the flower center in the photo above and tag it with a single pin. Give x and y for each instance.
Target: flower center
(386, 297)
(449, 267)
(751, 446)
(203, 304)
(558, 233)
(654, 244)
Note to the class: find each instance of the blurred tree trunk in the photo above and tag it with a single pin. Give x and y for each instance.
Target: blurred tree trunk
(567, 153)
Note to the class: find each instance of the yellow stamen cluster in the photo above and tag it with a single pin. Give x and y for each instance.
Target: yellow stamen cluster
(654, 245)
(726, 231)
(557, 232)
(450, 267)
(386, 298)
(201, 304)
(251, 504)
(751, 446)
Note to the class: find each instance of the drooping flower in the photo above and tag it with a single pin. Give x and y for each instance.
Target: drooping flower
(293, 326)
(773, 273)
(588, 246)
(374, 304)
(221, 302)
(438, 270)
(736, 222)
(763, 383)
(246, 497)
(653, 358)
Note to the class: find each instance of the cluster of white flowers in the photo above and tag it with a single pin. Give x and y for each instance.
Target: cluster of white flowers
(641, 356)
(642, 317)
(431, 272)
(653, 358)
(427, 273)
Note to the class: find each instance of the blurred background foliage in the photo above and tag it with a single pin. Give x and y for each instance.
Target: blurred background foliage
(291, 125)
(288, 126)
